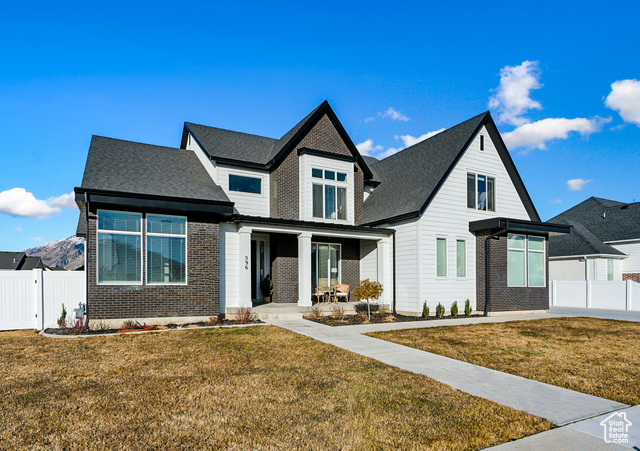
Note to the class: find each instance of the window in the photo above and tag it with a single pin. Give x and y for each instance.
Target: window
(242, 184)
(609, 269)
(481, 142)
(329, 199)
(119, 247)
(166, 249)
(481, 192)
(441, 257)
(461, 258)
(526, 261)
(325, 264)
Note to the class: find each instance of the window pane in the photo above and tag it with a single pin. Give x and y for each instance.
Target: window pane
(323, 265)
(245, 184)
(471, 191)
(342, 176)
(119, 258)
(515, 241)
(536, 269)
(482, 192)
(461, 258)
(118, 221)
(317, 201)
(316, 173)
(441, 259)
(329, 175)
(329, 202)
(609, 269)
(314, 264)
(515, 268)
(342, 203)
(166, 259)
(536, 243)
(166, 224)
(491, 194)
(334, 263)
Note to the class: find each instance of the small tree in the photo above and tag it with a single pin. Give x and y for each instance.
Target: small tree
(454, 308)
(467, 308)
(62, 321)
(425, 310)
(440, 310)
(368, 291)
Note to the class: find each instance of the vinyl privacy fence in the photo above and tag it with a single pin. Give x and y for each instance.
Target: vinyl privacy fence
(33, 299)
(598, 294)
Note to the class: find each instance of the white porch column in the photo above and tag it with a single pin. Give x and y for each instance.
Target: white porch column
(384, 269)
(304, 269)
(245, 276)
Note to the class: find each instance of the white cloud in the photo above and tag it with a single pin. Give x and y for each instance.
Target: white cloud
(36, 239)
(19, 202)
(409, 140)
(512, 97)
(536, 134)
(577, 184)
(394, 115)
(556, 201)
(390, 151)
(18, 229)
(625, 99)
(64, 201)
(369, 119)
(367, 147)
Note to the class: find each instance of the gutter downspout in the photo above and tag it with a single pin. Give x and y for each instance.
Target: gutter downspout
(486, 265)
(394, 272)
(86, 256)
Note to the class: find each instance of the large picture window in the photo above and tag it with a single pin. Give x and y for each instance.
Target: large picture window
(242, 184)
(329, 195)
(526, 261)
(325, 264)
(166, 249)
(481, 192)
(119, 247)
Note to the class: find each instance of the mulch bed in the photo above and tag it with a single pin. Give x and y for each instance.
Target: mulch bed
(224, 322)
(376, 318)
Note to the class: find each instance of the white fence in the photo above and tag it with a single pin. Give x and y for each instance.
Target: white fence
(33, 299)
(611, 295)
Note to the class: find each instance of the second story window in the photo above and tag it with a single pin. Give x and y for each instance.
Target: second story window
(242, 184)
(329, 194)
(481, 192)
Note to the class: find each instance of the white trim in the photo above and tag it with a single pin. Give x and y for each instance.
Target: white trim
(475, 196)
(267, 228)
(544, 266)
(524, 251)
(324, 182)
(446, 260)
(168, 235)
(464, 240)
(630, 241)
(588, 256)
(98, 230)
(236, 173)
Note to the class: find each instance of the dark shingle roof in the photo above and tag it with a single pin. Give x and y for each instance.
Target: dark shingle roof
(579, 242)
(411, 177)
(11, 260)
(607, 220)
(32, 263)
(131, 167)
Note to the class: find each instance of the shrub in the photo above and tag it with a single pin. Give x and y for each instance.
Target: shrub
(62, 321)
(76, 326)
(383, 309)
(213, 321)
(440, 310)
(368, 291)
(244, 315)
(316, 311)
(362, 308)
(132, 324)
(467, 308)
(425, 310)
(101, 326)
(338, 311)
(454, 308)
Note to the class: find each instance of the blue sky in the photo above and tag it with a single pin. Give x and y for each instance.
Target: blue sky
(137, 71)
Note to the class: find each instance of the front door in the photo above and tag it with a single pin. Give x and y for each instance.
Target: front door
(259, 266)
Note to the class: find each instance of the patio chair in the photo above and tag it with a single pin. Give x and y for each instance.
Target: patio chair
(341, 292)
(318, 294)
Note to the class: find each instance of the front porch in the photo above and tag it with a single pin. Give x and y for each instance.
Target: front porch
(301, 256)
(291, 310)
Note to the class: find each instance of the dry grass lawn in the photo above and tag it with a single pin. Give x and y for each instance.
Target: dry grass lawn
(257, 387)
(595, 356)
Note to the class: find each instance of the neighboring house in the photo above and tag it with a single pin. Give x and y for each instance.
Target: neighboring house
(189, 233)
(19, 261)
(604, 243)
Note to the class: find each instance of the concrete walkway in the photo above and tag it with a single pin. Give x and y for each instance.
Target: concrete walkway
(556, 404)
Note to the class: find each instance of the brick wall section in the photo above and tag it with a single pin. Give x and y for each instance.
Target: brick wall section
(503, 298)
(350, 259)
(285, 179)
(634, 277)
(284, 267)
(200, 297)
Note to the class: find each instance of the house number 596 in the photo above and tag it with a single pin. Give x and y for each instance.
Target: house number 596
(246, 262)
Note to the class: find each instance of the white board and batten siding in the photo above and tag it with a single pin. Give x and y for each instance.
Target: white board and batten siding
(229, 267)
(597, 269)
(407, 259)
(631, 264)
(249, 204)
(567, 269)
(368, 260)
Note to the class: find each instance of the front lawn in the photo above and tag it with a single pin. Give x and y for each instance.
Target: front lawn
(245, 388)
(595, 356)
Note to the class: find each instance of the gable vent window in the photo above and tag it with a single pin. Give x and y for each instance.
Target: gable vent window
(242, 184)
(481, 142)
(481, 192)
(329, 194)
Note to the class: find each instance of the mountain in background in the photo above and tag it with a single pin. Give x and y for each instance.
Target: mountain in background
(67, 253)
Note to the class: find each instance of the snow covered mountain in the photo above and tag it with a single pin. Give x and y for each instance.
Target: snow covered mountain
(67, 253)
